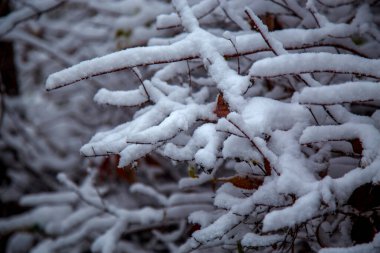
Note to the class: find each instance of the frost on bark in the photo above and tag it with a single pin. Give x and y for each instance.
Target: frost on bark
(256, 129)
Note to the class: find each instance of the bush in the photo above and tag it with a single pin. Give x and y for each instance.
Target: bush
(256, 129)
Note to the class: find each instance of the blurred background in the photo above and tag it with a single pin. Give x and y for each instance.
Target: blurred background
(41, 132)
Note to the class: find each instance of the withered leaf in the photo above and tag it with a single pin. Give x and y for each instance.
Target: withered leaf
(362, 230)
(109, 169)
(267, 167)
(271, 22)
(127, 173)
(365, 197)
(357, 145)
(248, 183)
(221, 109)
(194, 227)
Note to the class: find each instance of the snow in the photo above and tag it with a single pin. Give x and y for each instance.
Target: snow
(315, 62)
(225, 200)
(210, 140)
(202, 218)
(263, 115)
(19, 242)
(218, 228)
(188, 182)
(8, 22)
(372, 247)
(95, 224)
(120, 60)
(120, 98)
(274, 44)
(184, 198)
(367, 134)
(235, 146)
(47, 198)
(302, 210)
(149, 191)
(172, 20)
(340, 93)
(42, 216)
(254, 240)
(73, 220)
(183, 49)
(285, 132)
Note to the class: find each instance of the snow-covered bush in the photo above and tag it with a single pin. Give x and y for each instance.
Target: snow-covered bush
(257, 130)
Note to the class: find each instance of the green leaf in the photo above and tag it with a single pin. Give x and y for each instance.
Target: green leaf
(122, 33)
(239, 247)
(358, 40)
(192, 172)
